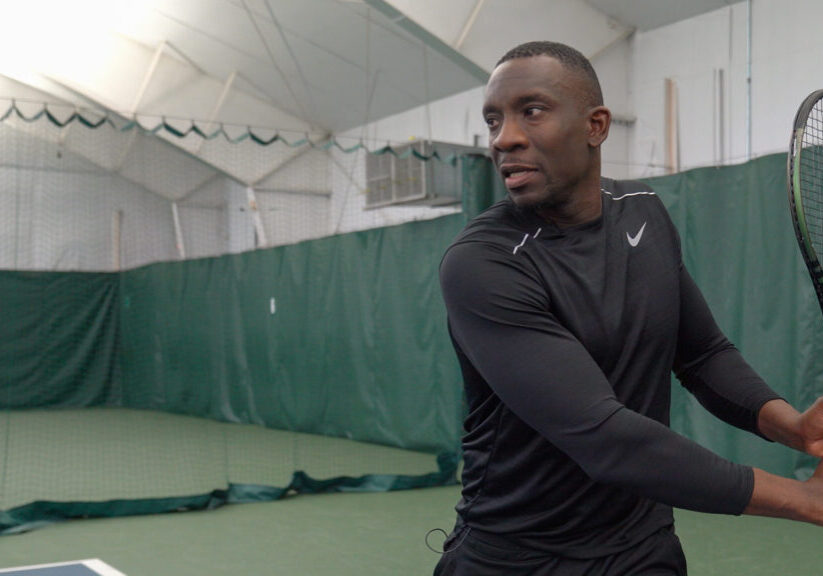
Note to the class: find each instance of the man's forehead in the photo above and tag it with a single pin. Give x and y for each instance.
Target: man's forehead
(532, 73)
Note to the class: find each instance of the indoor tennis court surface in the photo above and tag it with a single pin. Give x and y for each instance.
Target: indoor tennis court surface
(363, 534)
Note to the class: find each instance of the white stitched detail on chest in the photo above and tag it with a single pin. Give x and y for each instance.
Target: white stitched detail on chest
(525, 238)
(627, 195)
(519, 246)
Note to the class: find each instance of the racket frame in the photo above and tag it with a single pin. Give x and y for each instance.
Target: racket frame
(801, 229)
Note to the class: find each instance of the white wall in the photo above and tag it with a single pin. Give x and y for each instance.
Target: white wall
(614, 69)
(52, 220)
(786, 52)
(691, 53)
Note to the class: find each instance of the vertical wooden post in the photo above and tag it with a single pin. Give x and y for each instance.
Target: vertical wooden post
(116, 239)
(178, 232)
(672, 136)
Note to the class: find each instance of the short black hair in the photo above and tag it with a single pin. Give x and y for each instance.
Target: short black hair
(569, 57)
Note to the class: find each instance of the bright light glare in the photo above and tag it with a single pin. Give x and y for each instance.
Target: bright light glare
(61, 37)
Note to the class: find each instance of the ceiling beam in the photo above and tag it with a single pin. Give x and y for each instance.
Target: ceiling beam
(274, 63)
(399, 19)
(217, 107)
(155, 61)
(458, 44)
(294, 57)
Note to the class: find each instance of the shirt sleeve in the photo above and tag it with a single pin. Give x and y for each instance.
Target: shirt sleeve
(710, 366)
(500, 320)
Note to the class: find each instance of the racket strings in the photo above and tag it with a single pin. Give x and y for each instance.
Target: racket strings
(811, 176)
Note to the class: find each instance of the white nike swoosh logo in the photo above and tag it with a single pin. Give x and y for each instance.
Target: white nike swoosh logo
(635, 240)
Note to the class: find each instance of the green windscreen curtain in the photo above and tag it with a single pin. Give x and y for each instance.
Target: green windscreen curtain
(59, 334)
(343, 336)
(346, 335)
(739, 245)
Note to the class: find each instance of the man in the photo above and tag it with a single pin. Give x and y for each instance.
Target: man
(569, 307)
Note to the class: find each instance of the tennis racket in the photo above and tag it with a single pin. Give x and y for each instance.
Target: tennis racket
(805, 178)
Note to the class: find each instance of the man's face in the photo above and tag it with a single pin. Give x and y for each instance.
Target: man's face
(539, 130)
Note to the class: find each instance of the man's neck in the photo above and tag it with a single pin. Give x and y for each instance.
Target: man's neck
(584, 205)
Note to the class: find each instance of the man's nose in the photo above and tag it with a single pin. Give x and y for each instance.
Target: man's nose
(509, 136)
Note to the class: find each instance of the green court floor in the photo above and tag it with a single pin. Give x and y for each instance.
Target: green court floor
(376, 534)
(113, 454)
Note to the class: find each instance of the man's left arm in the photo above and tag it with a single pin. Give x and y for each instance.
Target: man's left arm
(712, 369)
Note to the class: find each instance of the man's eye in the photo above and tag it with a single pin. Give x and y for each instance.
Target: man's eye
(491, 123)
(533, 110)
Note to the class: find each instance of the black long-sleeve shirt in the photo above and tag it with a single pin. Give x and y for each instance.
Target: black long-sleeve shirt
(567, 339)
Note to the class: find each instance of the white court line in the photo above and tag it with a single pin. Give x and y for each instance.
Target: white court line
(93, 563)
(101, 567)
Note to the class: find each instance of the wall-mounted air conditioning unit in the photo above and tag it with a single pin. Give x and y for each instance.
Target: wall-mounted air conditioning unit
(403, 178)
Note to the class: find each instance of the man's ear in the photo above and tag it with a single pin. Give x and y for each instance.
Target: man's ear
(600, 119)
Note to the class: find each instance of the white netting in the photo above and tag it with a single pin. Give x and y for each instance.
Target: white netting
(117, 197)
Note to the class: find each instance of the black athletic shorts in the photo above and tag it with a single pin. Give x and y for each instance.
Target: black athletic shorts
(471, 554)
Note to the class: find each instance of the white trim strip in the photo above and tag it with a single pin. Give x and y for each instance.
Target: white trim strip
(519, 246)
(627, 195)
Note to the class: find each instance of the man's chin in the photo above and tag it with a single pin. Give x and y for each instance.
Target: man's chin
(528, 200)
(523, 198)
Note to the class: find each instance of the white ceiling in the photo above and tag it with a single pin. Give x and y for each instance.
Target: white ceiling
(318, 65)
(482, 30)
(299, 66)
